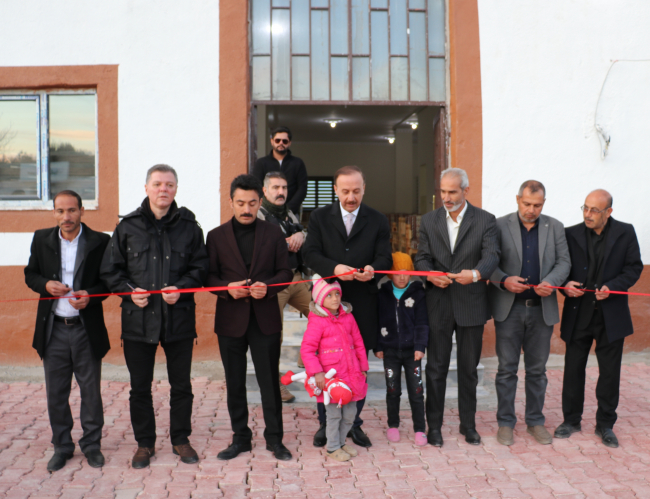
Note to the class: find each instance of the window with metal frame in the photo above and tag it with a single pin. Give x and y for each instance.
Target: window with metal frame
(48, 143)
(348, 50)
(320, 192)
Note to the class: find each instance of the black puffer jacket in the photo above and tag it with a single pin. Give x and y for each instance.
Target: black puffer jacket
(403, 324)
(143, 254)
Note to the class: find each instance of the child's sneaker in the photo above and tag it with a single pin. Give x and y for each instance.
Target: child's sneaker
(420, 439)
(350, 450)
(339, 455)
(393, 435)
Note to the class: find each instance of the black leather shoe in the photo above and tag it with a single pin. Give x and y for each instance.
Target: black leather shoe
(57, 461)
(434, 437)
(471, 435)
(359, 437)
(607, 434)
(279, 451)
(320, 438)
(95, 458)
(565, 430)
(234, 450)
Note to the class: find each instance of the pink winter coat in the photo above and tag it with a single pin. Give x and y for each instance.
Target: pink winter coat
(335, 342)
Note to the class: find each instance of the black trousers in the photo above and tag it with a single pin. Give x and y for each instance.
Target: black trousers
(265, 352)
(320, 407)
(394, 360)
(469, 342)
(140, 359)
(68, 352)
(609, 356)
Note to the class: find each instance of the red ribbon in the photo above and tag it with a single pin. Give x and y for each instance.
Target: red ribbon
(424, 273)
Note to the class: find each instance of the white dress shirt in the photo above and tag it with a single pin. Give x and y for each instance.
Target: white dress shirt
(453, 227)
(68, 259)
(345, 213)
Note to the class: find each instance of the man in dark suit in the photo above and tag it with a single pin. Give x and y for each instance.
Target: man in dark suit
(70, 334)
(533, 251)
(345, 236)
(461, 240)
(605, 257)
(280, 159)
(246, 251)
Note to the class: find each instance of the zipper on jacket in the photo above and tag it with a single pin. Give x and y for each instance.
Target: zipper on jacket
(397, 322)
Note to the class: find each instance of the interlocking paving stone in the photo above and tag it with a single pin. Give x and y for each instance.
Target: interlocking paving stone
(577, 467)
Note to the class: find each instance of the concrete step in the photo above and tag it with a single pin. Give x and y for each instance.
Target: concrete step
(374, 395)
(376, 377)
(294, 328)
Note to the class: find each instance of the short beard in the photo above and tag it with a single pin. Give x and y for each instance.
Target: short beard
(453, 208)
(282, 153)
(526, 221)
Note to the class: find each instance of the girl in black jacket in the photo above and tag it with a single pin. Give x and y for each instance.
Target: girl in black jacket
(401, 342)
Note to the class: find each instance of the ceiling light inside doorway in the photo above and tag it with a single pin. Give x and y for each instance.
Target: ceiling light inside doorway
(332, 123)
(414, 125)
(390, 139)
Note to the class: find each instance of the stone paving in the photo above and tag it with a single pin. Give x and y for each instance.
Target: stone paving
(577, 467)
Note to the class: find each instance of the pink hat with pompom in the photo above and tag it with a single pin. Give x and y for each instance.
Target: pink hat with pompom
(322, 288)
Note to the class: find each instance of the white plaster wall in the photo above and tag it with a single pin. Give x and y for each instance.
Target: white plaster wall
(168, 88)
(542, 68)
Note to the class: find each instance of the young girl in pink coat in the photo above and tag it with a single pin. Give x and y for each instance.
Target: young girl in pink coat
(333, 340)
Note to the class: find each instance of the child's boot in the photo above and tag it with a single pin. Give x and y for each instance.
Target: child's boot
(350, 450)
(393, 435)
(339, 455)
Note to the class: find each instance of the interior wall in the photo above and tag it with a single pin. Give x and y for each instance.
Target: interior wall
(377, 160)
(404, 172)
(425, 159)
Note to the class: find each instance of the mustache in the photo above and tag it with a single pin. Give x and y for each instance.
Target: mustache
(281, 196)
(247, 215)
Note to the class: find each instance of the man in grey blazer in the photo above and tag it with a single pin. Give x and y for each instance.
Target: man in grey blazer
(534, 252)
(461, 240)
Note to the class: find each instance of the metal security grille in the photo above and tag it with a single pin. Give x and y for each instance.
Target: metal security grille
(342, 51)
(320, 192)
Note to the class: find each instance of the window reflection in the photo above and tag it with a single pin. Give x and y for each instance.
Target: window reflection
(72, 144)
(393, 64)
(18, 149)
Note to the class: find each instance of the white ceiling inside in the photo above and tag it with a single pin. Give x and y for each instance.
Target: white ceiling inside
(359, 123)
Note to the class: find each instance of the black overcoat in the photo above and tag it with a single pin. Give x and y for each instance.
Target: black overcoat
(328, 245)
(45, 265)
(622, 267)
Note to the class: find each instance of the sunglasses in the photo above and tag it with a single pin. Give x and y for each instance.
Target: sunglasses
(284, 141)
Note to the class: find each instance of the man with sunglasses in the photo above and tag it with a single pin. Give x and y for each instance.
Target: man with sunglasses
(280, 159)
(605, 257)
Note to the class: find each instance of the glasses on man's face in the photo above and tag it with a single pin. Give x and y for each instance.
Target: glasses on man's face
(593, 211)
(284, 141)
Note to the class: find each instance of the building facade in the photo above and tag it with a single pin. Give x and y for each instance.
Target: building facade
(93, 94)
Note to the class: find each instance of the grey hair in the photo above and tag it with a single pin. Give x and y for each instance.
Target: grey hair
(458, 173)
(270, 175)
(161, 168)
(533, 186)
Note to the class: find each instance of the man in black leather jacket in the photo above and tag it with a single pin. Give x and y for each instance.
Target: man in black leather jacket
(158, 246)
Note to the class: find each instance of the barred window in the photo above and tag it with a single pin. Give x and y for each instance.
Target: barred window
(320, 192)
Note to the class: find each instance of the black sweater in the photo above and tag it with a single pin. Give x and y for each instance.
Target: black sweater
(245, 237)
